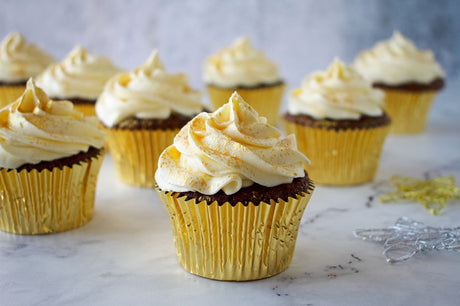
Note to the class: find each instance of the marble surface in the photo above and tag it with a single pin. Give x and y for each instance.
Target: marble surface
(125, 255)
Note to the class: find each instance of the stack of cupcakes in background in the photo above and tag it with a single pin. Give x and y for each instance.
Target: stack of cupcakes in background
(248, 71)
(19, 61)
(339, 124)
(410, 78)
(141, 112)
(79, 78)
(235, 191)
(50, 156)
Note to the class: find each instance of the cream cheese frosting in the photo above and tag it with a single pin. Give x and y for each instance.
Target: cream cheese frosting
(398, 61)
(149, 92)
(20, 60)
(80, 75)
(35, 128)
(227, 150)
(338, 93)
(240, 65)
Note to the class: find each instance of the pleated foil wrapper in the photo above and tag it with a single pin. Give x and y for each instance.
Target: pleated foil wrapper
(234, 243)
(265, 100)
(48, 202)
(136, 152)
(343, 157)
(87, 109)
(9, 94)
(408, 110)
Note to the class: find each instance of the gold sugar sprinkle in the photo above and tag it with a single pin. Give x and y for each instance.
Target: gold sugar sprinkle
(432, 193)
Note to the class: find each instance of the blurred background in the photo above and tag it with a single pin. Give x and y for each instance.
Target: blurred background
(300, 35)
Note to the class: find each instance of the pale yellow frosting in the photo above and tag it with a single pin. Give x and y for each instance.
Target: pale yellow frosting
(80, 75)
(240, 65)
(227, 150)
(149, 92)
(35, 129)
(338, 93)
(397, 61)
(20, 60)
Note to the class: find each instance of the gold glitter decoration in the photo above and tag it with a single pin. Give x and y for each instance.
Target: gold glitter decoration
(433, 193)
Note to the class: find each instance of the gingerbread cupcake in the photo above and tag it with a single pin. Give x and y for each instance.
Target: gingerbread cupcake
(235, 191)
(242, 68)
(19, 60)
(141, 112)
(50, 156)
(339, 123)
(79, 78)
(409, 77)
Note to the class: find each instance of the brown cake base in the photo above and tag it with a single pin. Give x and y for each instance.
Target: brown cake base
(76, 101)
(435, 85)
(175, 121)
(16, 83)
(258, 86)
(62, 162)
(365, 122)
(256, 193)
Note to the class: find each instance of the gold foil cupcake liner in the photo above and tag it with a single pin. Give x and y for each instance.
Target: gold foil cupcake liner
(48, 201)
(87, 109)
(265, 100)
(235, 243)
(136, 152)
(343, 157)
(408, 110)
(9, 94)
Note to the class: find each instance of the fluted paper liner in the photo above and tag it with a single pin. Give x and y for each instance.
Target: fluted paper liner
(136, 152)
(235, 243)
(408, 110)
(9, 94)
(265, 100)
(343, 157)
(48, 201)
(86, 108)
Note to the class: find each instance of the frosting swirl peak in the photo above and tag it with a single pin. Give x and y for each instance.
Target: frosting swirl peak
(227, 150)
(20, 60)
(35, 128)
(337, 93)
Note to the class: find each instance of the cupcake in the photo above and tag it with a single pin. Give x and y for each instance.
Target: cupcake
(235, 191)
(242, 68)
(19, 61)
(79, 78)
(410, 78)
(50, 156)
(339, 123)
(141, 112)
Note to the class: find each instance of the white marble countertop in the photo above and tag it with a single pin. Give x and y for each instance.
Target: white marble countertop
(125, 255)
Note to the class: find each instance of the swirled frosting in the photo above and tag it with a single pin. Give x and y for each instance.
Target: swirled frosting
(149, 92)
(80, 75)
(20, 60)
(338, 93)
(35, 128)
(240, 65)
(398, 61)
(227, 150)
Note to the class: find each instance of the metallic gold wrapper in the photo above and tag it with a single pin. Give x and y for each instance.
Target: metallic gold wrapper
(265, 100)
(86, 109)
(136, 152)
(234, 243)
(9, 94)
(344, 157)
(408, 110)
(48, 201)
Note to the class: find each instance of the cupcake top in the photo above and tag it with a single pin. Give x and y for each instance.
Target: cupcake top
(240, 65)
(337, 93)
(20, 60)
(149, 92)
(35, 128)
(398, 61)
(80, 75)
(227, 150)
